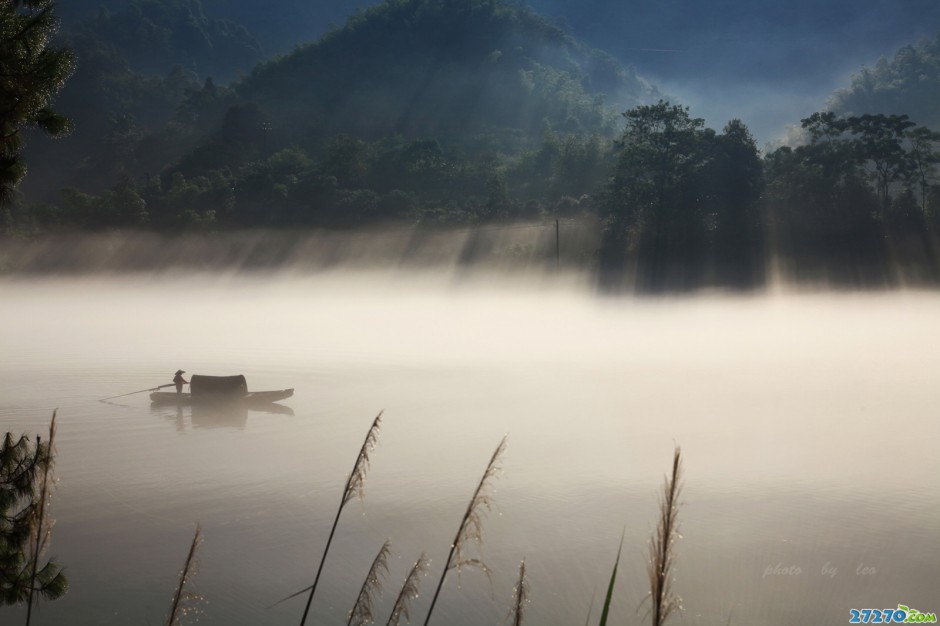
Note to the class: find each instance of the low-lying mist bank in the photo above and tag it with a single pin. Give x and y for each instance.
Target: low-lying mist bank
(573, 247)
(521, 246)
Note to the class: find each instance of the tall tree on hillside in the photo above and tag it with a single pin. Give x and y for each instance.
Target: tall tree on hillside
(656, 189)
(734, 181)
(31, 73)
(879, 141)
(923, 158)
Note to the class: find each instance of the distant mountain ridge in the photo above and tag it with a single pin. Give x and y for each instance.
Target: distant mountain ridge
(446, 68)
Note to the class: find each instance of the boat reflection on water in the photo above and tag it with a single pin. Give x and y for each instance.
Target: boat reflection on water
(217, 414)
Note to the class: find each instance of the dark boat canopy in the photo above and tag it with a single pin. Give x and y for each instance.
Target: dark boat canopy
(217, 385)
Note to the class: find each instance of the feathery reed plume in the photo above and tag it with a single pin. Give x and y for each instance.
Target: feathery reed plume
(361, 613)
(183, 597)
(471, 526)
(662, 548)
(520, 598)
(610, 586)
(354, 486)
(51, 580)
(409, 591)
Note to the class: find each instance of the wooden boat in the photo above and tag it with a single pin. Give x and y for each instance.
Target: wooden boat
(220, 390)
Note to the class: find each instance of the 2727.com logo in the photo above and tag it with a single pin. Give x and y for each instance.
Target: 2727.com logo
(900, 615)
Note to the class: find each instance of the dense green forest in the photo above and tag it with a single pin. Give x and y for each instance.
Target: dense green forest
(433, 112)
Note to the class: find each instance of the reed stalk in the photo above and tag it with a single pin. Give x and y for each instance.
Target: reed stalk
(354, 486)
(471, 526)
(520, 598)
(362, 611)
(409, 591)
(182, 596)
(662, 548)
(45, 457)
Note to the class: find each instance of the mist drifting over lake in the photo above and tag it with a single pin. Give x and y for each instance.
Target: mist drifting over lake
(794, 413)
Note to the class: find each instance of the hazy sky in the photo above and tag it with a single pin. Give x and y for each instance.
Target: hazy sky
(766, 61)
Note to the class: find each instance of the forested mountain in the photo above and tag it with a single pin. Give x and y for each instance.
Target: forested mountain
(426, 102)
(154, 35)
(907, 84)
(715, 39)
(720, 56)
(450, 70)
(480, 111)
(137, 63)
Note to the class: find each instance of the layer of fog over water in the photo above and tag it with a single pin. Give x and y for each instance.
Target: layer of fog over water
(808, 425)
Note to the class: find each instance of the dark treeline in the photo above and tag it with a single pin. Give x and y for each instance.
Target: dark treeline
(430, 112)
(682, 206)
(857, 204)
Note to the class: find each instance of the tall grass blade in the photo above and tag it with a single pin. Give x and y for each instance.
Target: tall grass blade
(471, 526)
(590, 609)
(662, 548)
(52, 583)
(520, 598)
(354, 486)
(610, 586)
(183, 597)
(362, 612)
(409, 591)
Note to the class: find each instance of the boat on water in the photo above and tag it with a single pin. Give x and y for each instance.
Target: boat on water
(220, 390)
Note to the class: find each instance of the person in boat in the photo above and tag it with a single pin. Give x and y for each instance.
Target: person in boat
(179, 381)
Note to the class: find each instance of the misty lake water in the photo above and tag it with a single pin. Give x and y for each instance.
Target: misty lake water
(808, 425)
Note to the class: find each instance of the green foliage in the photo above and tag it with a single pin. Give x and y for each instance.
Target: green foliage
(469, 72)
(153, 35)
(139, 83)
(850, 202)
(605, 612)
(24, 469)
(119, 206)
(654, 201)
(33, 71)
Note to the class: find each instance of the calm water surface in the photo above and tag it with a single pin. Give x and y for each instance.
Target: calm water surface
(808, 424)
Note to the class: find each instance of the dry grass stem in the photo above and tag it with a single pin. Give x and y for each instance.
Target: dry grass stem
(183, 598)
(42, 527)
(662, 548)
(520, 598)
(471, 525)
(409, 591)
(354, 486)
(362, 612)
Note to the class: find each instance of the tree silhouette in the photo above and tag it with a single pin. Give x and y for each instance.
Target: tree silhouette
(25, 483)
(32, 71)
